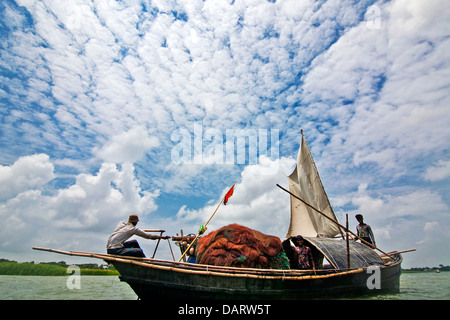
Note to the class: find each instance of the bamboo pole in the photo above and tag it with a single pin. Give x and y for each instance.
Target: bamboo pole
(347, 241)
(170, 247)
(211, 270)
(199, 233)
(323, 214)
(157, 244)
(184, 258)
(404, 251)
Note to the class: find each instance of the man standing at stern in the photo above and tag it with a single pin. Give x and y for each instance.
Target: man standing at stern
(364, 231)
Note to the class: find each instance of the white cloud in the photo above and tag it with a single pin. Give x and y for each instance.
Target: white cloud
(385, 158)
(431, 226)
(366, 203)
(385, 88)
(256, 202)
(440, 171)
(128, 146)
(26, 173)
(93, 204)
(419, 203)
(404, 219)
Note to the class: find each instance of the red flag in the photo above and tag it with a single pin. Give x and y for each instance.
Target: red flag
(229, 194)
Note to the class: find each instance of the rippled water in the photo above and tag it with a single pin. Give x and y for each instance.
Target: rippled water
(421, 286)
(413, 286)
(56, 288)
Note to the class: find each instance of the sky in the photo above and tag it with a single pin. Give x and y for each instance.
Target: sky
(109, 108)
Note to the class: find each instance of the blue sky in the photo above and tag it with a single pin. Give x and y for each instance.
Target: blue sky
(96, 97)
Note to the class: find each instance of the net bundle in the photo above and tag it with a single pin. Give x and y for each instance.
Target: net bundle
(238, 246)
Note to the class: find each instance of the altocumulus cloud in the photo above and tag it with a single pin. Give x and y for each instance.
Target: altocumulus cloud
(128, 146)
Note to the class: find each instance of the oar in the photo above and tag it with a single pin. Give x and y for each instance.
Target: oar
(404, 251)
(323, 214)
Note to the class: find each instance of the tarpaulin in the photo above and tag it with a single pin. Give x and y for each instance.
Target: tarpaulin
(335, 251)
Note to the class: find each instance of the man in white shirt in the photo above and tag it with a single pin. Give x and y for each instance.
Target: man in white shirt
(117, 242)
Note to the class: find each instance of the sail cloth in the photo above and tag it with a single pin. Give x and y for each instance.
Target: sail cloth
(305, 183)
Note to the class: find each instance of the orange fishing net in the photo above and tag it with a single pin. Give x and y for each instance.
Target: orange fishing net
(237, 246)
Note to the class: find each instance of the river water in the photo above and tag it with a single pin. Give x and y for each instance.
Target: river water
(413, 286)
(64, 288)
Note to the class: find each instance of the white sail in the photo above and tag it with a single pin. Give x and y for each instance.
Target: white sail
(305, 183)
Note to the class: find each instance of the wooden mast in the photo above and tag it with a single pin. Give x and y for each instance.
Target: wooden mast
(347, 240)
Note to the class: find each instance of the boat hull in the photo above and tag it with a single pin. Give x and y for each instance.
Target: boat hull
(152, 282)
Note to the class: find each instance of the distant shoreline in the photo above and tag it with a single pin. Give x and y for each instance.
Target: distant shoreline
(421, 271)
(428, 269)
(14, 268)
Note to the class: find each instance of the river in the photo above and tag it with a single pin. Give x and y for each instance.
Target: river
(62, 288)
(413, 286)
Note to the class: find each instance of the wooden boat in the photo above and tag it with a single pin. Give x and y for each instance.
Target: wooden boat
(354, 268)
(162, 279)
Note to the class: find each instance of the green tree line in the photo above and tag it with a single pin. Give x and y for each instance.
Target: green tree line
(52, 269)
